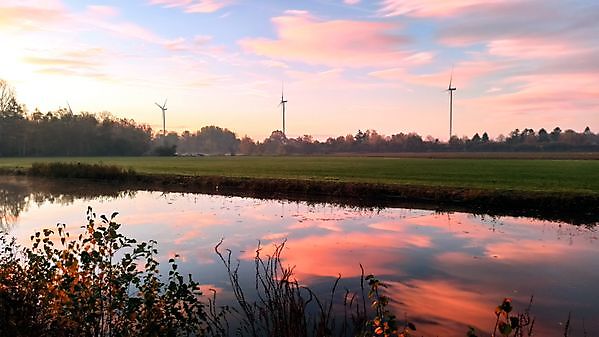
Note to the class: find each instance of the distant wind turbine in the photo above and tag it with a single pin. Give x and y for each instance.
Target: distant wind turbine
(451, 90)
(70, 110)
(163, 108)
(282, 103)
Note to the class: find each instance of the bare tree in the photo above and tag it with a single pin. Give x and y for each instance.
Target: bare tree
(7, 95)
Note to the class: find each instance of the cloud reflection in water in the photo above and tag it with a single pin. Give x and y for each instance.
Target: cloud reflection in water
(446, 270)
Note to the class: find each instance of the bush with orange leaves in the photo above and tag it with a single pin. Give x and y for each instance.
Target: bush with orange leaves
(78, 287)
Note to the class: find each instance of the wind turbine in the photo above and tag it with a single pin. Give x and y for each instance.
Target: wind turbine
(451, 90)
(282, 103)
(163, 108)
(70, 110)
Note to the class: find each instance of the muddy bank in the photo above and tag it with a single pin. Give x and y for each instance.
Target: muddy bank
(571, 208)
(568, 207)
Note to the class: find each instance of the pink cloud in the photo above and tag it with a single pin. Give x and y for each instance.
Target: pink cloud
(425, 8)
(275, 236)
(440, 301)
(532, 48)
(58, 61)
(325, 75)
(390, 74)
(199, 43)
(30, 15)
(421, 241)
(274, 64)
(534, 251)
(464, 74)
(332, 225)
(181, 221)
(333, 79)
(177, 44)
(171, 3)
(327, 255)
(187, 237)
(39, 15)
(128, 30)
(106, 11)
(305, 38)
(206, 6)
(520, 20)
(191, 6)
(202, 39)
(544, 93)
(86, 62)
(208, 289)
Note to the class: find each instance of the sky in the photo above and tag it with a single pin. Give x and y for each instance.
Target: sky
(346, 65)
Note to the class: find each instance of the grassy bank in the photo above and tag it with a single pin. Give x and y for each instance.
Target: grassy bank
(555, 189)
(572, 176)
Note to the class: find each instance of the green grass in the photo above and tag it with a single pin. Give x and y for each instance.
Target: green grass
(573, 176)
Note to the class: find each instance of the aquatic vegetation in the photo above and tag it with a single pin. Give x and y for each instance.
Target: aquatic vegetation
(284, 307)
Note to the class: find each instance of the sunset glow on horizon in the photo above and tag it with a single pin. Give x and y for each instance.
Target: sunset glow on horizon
(345, 64)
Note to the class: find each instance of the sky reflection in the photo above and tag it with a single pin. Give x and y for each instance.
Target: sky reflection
(445, 270)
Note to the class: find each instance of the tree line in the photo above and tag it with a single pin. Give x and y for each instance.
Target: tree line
(64, 133)
(370, 141)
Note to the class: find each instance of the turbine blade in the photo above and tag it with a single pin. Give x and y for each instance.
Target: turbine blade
(164, 105)
(451, 77)
(158, 105)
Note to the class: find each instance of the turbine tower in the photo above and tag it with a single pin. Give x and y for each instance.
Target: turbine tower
(163, 108)
(451, 90)
(282, 103)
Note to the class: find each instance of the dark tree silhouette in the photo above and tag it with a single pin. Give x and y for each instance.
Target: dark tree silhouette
(485, 138)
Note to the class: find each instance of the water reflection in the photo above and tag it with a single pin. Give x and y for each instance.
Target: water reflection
(446, 270)
(14, 198)
(17, 194)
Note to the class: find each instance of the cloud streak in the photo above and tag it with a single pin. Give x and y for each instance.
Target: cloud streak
(191, 6)
(30, 16)
(433, 8)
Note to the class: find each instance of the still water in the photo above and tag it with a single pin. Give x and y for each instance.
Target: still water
(446, 270)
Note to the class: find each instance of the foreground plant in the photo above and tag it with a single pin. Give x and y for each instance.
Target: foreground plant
(279, 305)
(384, 323)
(99, 284)
(508, 324)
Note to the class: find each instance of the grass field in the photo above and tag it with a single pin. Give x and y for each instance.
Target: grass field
(569, 176)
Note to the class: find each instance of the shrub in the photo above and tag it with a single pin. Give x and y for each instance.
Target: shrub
(80, 170)
(80, 288)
